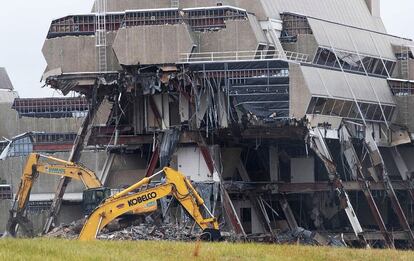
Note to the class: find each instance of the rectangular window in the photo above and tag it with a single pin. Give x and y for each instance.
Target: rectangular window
(328, 107)
(378, 114)
(347, 109)
(379, 67)
(312, 105)
(390, 66)
(364, 108)
(337, 109)
(371, 111)
(354, 112)
(391, 114)
(320, 104)
(368, 63)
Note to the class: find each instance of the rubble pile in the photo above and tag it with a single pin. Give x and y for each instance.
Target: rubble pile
(174, 232)
(150, 232)
(306, 237)
(142, 231)
(65, 231)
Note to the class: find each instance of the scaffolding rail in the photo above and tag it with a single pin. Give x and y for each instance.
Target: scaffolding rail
(152, 17)
(51, 107)
(401, 87)
(199, 19)
(243, 56)
(207, 18)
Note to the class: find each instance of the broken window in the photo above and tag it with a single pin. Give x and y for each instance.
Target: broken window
(152, 17)
(77, 25)
(353, 62)
(51, 107)
(349, 109)
(212, 18)
(294, 25)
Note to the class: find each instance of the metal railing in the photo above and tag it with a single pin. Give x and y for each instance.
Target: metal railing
(243, 56)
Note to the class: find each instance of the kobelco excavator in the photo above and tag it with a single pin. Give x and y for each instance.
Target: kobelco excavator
(175, 184)
(94, 194)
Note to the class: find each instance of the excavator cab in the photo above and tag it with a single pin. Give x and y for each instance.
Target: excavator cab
(92, 198)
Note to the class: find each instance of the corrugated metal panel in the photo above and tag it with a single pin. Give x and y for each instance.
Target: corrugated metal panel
(333, 84)
(322, 82)
(349, 12)
(353, 39)
(5, 82)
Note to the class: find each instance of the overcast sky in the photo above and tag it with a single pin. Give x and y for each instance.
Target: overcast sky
(24, 25)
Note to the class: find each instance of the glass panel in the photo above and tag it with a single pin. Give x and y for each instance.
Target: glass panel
(323, 56)
(311, 106)
(320, 104)
(337, 109)
(328, 107)
(347, 108)
(331, 59)
(378, 114)
(379, 68)
(317, 56)
(371, 111)
(390, 66)
(368, 63)
(387, 111)
(391, 114)
(350, 61)
(364, 108)
(354, 113)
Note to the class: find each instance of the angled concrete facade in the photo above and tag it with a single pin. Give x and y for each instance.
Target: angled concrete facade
(279, 102)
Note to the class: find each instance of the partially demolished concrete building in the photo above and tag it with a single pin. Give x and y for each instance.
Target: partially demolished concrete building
(285, 113)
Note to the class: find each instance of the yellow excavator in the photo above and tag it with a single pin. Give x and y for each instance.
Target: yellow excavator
(59, 167)
(37, 164)
(175, 184)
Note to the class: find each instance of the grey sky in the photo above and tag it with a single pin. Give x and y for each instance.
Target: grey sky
(24, 25)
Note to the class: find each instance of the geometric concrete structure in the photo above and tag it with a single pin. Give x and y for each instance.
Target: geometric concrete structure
(305, 97)
(5, 82)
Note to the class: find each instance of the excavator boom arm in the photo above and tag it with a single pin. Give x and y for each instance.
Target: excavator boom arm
(64, 168)
(176, 185)
(31, 171)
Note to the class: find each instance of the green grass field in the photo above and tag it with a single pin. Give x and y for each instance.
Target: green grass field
(48, 249)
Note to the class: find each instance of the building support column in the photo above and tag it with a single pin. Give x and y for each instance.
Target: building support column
(255, 199)
(74, 157)
(354, 163)
(227, 203)
(378, 165)
(317, 143)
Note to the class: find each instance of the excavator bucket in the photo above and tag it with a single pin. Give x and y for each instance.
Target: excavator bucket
(21, 222)
(211, 234)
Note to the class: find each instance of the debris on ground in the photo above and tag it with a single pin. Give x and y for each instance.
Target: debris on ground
(65, 231)
(150, 232)
(306, 237)
(174, 232)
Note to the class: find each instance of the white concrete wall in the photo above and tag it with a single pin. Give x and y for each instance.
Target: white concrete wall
(191, 163)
